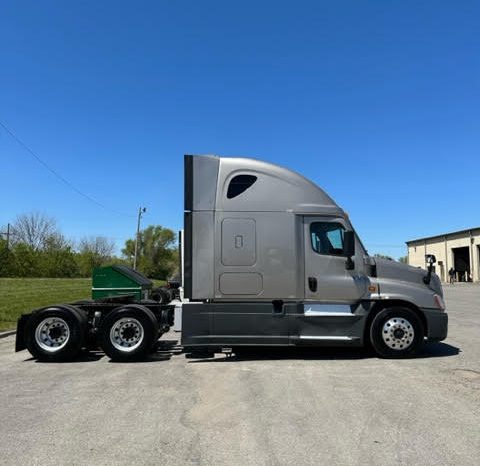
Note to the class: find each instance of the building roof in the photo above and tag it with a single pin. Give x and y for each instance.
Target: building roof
(467, 230)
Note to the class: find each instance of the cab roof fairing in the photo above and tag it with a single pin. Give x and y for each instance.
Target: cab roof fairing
(277, 189)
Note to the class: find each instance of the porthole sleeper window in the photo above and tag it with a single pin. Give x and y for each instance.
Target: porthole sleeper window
(239, 184)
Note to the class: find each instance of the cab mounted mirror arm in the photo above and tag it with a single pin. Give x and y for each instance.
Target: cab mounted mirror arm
(430, 259)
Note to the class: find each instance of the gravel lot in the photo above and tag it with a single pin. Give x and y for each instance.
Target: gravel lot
(318, 407)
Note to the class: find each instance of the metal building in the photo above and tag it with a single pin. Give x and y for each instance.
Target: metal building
(459, 249)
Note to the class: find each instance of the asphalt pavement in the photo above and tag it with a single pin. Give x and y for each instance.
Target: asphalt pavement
(308, 407)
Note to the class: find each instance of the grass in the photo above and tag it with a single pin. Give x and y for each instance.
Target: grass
(22, 295)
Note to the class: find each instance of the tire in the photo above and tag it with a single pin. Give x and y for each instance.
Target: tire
(396, 332)
(161, 295)
(128, 333)
(56, 333)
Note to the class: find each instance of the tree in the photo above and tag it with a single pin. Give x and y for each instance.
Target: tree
(38, 249)
(94, 251)
(157, 251)
(6, 259)
(26, 261)
(403, 259)
(57, 258)
(383, 256)
(33, 229)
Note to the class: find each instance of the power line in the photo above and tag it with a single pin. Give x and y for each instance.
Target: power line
(57, 175)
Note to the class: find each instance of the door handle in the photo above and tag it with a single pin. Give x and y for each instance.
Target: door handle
(312, 284)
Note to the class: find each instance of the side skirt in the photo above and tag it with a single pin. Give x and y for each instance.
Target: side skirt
(329, 324)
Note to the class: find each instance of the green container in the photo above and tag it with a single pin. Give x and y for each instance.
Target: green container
(119, 280)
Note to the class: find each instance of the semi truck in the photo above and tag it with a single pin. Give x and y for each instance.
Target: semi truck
(269, 259)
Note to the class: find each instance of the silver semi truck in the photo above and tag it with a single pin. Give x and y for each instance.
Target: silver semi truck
(269, 259)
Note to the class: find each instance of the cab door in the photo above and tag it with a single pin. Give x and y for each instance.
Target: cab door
(330, 314)
(326, 277)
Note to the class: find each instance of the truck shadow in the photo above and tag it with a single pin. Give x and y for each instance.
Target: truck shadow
(164, 350)
(438, 350)
(84, 356)
(430, 350)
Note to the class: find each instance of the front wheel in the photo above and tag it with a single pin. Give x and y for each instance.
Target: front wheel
(396, 332)
(128, 333)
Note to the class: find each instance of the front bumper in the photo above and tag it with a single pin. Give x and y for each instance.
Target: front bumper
(437, 324)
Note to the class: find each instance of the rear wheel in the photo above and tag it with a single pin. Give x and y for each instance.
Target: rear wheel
(56, 333)
(396, 332)
(128, 333)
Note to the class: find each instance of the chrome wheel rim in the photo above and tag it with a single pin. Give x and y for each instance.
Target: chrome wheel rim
(126, 334)
(52, 334)
(398, 333)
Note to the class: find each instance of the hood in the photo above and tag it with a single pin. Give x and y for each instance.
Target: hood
(398, 271)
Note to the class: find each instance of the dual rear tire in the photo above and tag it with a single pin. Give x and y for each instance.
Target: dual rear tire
(58, 333)
(128, 333)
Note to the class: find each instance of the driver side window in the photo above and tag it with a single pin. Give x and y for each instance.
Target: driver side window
(327, 238)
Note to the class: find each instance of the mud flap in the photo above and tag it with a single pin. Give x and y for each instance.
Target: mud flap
(20, 335)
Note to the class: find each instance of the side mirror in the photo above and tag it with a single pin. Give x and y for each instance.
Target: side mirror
(349, 243)
(430, 259)
(349, 248)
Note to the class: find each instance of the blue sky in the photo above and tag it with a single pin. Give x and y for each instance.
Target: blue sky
(377, 102)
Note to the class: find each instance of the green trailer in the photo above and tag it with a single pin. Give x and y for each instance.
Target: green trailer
(119, 280)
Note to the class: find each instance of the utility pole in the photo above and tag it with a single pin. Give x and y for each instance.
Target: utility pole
(141, 210)
(8, 233)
